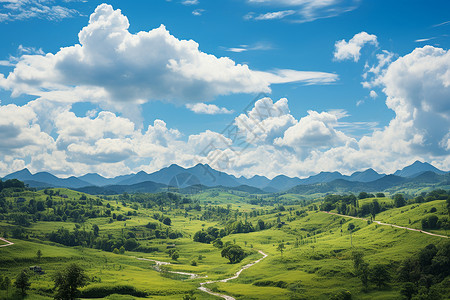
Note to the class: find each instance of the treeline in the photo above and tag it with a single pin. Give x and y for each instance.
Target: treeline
(128, 241)
(55, 208)
(15, 184)
(148, 200)
(212, 233)
(349, 204)
(425, 275)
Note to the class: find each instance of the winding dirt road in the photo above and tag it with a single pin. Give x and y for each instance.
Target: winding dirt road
(163, 263)
(387, 224)
(6, 241)
(238, 273)
(194, 276)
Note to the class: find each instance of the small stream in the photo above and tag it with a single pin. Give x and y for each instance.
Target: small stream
(238, 273)
(195, 276)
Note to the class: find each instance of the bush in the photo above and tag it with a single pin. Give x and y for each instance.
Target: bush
(104, 291)
(344, 295)
(280, 284)
(145, 249)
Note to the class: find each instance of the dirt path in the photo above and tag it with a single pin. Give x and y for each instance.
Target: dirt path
(194, 276)
(6, 241)
(387, 224)
(163, 263)
(238, 273)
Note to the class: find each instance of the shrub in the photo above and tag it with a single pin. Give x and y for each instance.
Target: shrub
(104, 291)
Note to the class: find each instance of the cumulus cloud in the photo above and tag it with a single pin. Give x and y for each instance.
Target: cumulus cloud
(113, 66)
(19, 131)
(418, 88)
(265, 122)
(352, 49)
(209, 109)
(316, 130)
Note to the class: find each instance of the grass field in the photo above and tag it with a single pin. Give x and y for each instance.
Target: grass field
(316, 263)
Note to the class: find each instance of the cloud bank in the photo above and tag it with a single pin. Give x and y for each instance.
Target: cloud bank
(112, 66)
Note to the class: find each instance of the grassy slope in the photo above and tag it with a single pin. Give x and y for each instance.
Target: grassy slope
(319, 268)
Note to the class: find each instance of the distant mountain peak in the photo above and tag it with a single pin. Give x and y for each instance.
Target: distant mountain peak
(21, 175)
(416, 169)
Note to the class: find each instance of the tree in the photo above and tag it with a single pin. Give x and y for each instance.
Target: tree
(408, 290)
(23, 282)
(175, 255)
(363, 195)
(39, 255)
(68, 281)
(95, 229)
(6, 284)
(281, 248)
(399, 201)
(361, 268)
(380, 275)
(448, 205)
(357, 257)
(374, 208)
(350, 228)
(234, 253)
(363, 274)
(167, 221)
(218, 243)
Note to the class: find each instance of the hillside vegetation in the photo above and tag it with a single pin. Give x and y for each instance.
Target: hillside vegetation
(311, 254)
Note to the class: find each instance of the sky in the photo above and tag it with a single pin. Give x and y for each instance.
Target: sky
(250, 87)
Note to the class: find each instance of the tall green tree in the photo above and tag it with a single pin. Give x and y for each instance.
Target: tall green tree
(380, 276)
(350, 228)
(23, 282)
(6, 284)
(281, 248)
(39, 255)
(68, 281)
(399, 201)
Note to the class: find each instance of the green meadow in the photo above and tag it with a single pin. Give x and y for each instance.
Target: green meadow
(316, 261)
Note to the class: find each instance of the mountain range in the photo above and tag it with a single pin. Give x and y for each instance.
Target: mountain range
(205, 176)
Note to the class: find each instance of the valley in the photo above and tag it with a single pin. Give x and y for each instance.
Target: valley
(134, 246)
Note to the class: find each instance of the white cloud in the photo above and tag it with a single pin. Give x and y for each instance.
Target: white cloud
(19, 131)
(286, 76)
(257, 46)
(308, 10)
(13, 10)
(373, 75)
(442, 24)
(352, 49)
(209, 109)
(114, 67)
(198, 12)
(265, 122)
(424, 40)
(189, 2)
(275, 15)
(373, 94)
(237, 50)
(417, 86)
(317, 130)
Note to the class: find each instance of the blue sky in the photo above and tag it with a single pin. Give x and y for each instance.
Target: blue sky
(363, 84)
